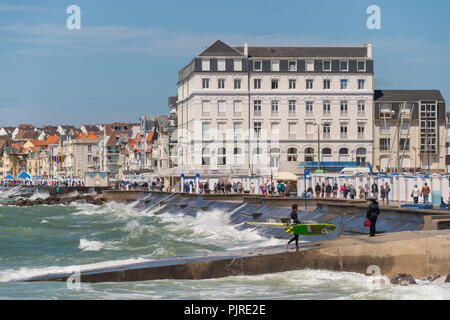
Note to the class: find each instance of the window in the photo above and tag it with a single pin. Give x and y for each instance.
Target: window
(343, 131)
(361, 83)
(344, 107)
(309, 107)
(292, 130)
(275, 65)
(205, 131)
(237, 108)
(257, 108)
(257, 156)
(257, 129)
(326, 131)
(361, 107)
(361, 66)
(406, 110)
(361, 128)
(309, 127)
(221, 108)
(385, 144)
(237, 126)
(274, 157)
(257, 83)
(292, 83)
(237, 152)
(385, 111)
(326, 151)
(344, 65)
(344, 84)
(205, 83)
(385, 128)
(274, 83)
(220, 83)
(309, 154)
(292, 107)
(206, 157)
(221, 130)
(361, 156)
(220, 64)
(274, 107)
(89, 148)
(275, 129)
(257, 65)
(309, 65)
(221, 156)
(404, 144)
(205, 109)
(343, 154)
(309, 84)
(292, 64)
(205, 65)
(89, 158)
(237, 83)
(292, 154)
(326, 65)
(326, 107)
(326, 84)
(237, 65)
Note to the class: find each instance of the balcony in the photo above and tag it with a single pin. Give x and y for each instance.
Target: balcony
(205, 114)
(237, 114)
(292, 136)
(361, 113)
(221, 114)
(326, 135)
(361, 136)
(257, 113)
(274, 113)
(292, 113)
(344, 135)
(344, 113)
(326, 113)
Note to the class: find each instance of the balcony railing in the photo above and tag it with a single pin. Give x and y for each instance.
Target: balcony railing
(274, 113)
(361, 113)
(257, 113)
(344, 135)
(292, 136)
(221, 114)
(238, 114)
(344, 113)
(326, 135)
(205, 114)
(361, 136)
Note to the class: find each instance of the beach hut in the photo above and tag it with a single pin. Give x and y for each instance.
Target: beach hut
(9, 177)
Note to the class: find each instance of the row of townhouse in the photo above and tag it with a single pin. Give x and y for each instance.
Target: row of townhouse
(252, 110)
(121, 149)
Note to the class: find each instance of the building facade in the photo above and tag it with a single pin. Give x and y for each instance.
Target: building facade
(254, 110)
(410, 131)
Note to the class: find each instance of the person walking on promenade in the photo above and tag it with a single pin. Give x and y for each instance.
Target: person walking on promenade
(346, 190)
(295, 220)
(387, 189)
(335, 190)
(366, 192)
(382, 194)
(361, 193)
(352, 192)
(425, 193)
(374, 190)
(322, 190)
(328, 190)
(415, 194)
(342, 191)
(317, 190)
(372, 214)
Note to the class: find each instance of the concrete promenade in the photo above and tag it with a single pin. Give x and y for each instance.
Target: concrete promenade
(420, 253)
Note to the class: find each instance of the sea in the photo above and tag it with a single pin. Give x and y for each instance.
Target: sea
(44, 239)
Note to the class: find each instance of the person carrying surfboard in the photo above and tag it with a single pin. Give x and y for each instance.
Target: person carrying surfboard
(295, 220)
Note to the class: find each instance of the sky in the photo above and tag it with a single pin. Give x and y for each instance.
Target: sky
(124, 60)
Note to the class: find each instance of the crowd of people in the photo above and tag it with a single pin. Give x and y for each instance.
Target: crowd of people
(348, 191)
(226, 187)
(43, 182)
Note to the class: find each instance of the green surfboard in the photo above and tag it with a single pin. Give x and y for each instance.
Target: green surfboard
(311, 229)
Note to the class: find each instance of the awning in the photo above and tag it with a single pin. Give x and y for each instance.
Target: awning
(23, 175)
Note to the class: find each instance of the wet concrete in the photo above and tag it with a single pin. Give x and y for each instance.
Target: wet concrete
(421, 254)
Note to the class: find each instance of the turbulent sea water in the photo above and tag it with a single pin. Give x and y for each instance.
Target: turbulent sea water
(45, 239)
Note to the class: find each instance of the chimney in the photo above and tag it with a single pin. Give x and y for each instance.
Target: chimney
(246, 49)
(369, 50)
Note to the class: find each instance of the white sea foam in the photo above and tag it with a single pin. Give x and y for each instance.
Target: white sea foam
(23, 274)
(92, 245)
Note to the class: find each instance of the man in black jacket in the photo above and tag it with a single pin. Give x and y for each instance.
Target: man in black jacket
(295, 221)
(372, 214)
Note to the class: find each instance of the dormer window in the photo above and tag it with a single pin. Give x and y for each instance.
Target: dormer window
(205, 65)
(257, 65)
(344, 65)
(361, 65)
(275, 65)
(326, 65)
(221, 65)
(292, 65)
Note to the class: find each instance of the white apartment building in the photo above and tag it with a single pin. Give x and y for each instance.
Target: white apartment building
(251, 110)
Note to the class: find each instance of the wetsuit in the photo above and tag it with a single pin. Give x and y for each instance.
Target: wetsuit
(296, 221)
(372, 214)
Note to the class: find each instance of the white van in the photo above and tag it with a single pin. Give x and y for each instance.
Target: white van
(355, 171)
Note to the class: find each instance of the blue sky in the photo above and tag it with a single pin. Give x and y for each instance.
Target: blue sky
(125, 59)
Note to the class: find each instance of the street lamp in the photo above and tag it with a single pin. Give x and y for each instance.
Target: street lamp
(318, 143)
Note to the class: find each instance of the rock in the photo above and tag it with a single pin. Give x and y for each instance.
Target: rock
(402, 279)
(432, 278)
(20, 202)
